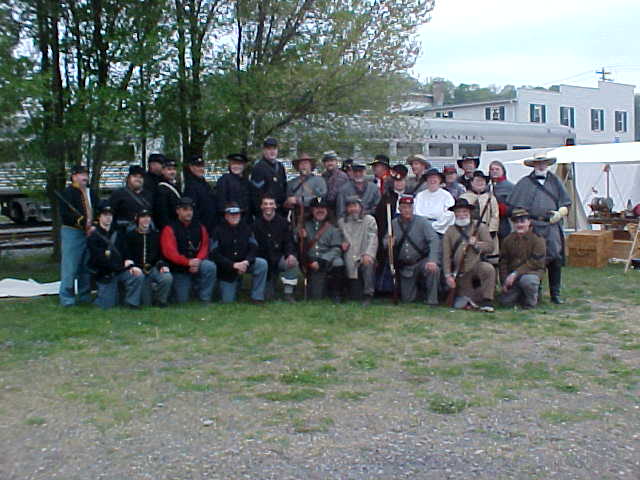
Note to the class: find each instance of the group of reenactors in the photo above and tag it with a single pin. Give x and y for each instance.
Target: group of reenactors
(456, 236)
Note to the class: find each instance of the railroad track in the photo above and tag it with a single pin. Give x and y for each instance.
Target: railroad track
(21, 238)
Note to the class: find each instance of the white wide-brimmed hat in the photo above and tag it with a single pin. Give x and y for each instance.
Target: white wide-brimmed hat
(540, 157)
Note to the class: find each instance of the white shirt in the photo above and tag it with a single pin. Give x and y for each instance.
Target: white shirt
(435, 207)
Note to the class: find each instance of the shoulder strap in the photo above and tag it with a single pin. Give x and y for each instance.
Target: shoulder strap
(407, 238)
(140, 200)
(462, 238)
(325, 226)
(172, 188)
(543, 189)
(302, 182)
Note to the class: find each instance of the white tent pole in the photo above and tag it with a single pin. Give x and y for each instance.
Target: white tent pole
(575, 196)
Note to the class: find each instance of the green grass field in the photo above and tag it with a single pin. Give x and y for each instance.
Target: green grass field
(113, 366)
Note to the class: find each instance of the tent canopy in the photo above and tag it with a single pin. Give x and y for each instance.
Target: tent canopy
(588, 166)
(611, 153)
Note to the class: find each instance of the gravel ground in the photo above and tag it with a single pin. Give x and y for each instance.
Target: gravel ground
(391, 434)
(230, 432)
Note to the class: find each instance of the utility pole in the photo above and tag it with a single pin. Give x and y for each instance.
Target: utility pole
(604, 75)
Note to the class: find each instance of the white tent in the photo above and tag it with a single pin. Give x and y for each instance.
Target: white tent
(588, 164)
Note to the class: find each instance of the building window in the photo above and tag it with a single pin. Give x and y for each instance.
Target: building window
(495, 147)
(568, 116)
(537, 113)
(448, 114)
(470, 149)
(441, 149)
(494, 113)
(597, 119)
(520, 147)
(621, 122)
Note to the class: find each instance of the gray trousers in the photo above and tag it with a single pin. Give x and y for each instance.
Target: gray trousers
(288, 277)
(108, 295)
(325, 282)
(524, 291)
(368, 275)
(156, 288)
(414, 277)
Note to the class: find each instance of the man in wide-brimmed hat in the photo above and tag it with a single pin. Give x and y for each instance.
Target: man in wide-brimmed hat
(481, 196)
(419, 165)
(468, 165)
(433, 203)
(131, 199)
(360, 186)
(546, 199)
(322, 259)
(463, 245)
(521, 263)
(306, 186)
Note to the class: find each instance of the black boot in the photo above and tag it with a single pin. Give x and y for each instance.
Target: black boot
(335, 284)
(555, 279)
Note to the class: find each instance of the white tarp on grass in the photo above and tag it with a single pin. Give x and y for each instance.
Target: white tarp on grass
(11, 287)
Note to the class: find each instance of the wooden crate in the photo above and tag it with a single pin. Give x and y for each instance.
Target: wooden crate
(620, 249)
(590, 248)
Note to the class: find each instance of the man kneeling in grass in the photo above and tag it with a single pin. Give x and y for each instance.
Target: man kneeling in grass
(107, 262)
(521, 263)
(233, 249)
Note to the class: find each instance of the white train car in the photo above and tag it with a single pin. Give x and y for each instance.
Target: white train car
(444, 141)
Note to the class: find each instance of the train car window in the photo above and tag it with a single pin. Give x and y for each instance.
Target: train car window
(470, 149)
(495, 147)
(405, 149)
(520, 147)
(441, 149)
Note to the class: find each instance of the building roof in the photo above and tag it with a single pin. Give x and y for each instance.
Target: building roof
(432, 108)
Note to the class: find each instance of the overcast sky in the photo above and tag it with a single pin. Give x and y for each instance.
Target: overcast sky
(539, 43)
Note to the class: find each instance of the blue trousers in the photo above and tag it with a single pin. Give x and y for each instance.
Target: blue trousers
(203, 282)
(157, 287)
(108, 291)
(258, 272)
(74, 265)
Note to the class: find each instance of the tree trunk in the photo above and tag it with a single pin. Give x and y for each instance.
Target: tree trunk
(182, 80)
(101, 49)
(53, 107)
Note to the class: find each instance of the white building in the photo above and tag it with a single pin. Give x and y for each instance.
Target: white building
(598, 115)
